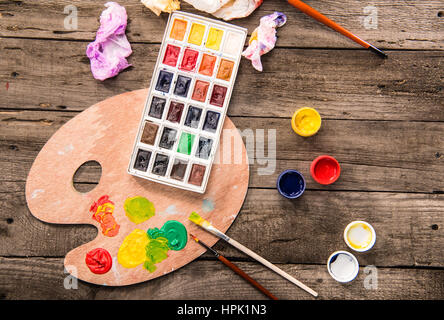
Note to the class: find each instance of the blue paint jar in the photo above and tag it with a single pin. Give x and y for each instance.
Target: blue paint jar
(291, 184)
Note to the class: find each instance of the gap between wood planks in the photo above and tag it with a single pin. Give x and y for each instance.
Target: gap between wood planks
(209, 257)
(387, 50)
(75, 112)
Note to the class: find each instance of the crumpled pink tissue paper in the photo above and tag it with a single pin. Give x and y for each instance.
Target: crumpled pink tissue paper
(263, 39)
(109, 51)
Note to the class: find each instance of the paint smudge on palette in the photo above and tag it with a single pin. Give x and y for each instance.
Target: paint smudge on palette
(171, 209)
(207, 205)
(36, 193)
(151, 247)
(138, 209)
(115, 271)
(187, 103)
(66, 149)
(103, 211)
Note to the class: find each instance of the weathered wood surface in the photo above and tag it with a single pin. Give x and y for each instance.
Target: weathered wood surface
(412, 24)
(375, 155)
(45, 278)
(382, 119)
(341, 84)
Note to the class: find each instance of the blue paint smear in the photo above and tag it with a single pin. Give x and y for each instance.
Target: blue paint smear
(207, 205)
(171, 209)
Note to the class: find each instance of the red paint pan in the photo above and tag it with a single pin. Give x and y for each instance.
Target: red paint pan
(325, 170)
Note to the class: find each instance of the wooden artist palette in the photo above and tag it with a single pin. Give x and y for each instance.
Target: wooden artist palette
(105, 133)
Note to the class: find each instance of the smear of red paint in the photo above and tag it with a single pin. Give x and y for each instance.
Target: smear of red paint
(99, 261)
(7, 86)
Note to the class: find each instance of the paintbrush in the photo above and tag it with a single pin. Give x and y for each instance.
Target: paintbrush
(323, 19)
(197, 219)
(236, 269)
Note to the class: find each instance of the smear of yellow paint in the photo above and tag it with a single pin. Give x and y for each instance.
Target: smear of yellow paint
(132, 252)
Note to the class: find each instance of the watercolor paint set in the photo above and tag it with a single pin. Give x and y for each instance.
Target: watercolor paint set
(187, 102)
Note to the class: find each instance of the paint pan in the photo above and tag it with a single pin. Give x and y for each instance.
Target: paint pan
(342, 266)
(359, 236)
(306, 122)
(291, 184)
(325, 170)
(187, 102)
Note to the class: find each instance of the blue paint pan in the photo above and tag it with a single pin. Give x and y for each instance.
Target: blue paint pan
(291, 184)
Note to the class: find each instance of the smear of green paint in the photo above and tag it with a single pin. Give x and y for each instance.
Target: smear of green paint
(156, 251)
(172, 236)
(176, 233)
(138, 209)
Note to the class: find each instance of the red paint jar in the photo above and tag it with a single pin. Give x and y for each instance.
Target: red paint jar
(325, 170)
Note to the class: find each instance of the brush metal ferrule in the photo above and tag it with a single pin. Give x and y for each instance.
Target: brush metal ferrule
(217, 233)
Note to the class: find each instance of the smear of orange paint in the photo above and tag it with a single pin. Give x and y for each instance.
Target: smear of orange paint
(103, 213)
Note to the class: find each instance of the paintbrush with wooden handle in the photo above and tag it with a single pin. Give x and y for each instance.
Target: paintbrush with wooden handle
(197, 219)
(236, 269)
(305, 8)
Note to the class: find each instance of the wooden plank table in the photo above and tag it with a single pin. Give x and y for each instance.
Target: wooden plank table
(382, 119)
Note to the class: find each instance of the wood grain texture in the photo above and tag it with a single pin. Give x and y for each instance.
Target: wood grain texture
(45, 278)
(412, 24)
(382, 119)
(340, 84)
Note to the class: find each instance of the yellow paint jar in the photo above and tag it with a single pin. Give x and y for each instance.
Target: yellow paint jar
(359, 236)
(306, 122)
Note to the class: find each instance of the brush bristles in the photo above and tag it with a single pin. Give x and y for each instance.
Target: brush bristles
(197, 219)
